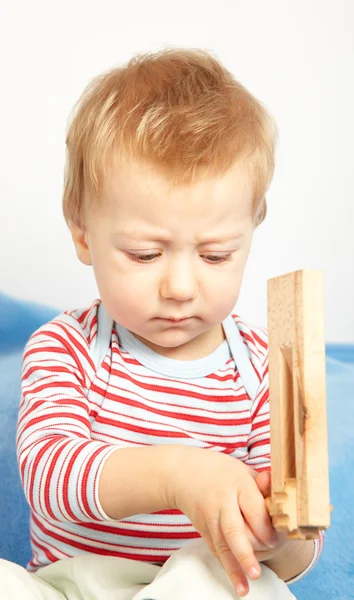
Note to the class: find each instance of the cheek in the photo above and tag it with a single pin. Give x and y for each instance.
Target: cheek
(226, 288)
(117, 279)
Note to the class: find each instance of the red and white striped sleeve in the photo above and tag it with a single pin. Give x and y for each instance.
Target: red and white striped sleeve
(59, 463)
(259, 438)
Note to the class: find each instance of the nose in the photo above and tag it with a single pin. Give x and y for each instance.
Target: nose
(178, 281)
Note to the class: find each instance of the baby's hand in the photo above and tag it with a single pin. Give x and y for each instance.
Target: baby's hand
(219, 493)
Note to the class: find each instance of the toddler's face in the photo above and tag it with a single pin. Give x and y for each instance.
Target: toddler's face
(169, 261)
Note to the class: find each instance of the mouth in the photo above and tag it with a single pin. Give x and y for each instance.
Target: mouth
(175, 320)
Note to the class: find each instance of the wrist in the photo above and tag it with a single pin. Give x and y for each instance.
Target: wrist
(173, 458)
(138, 480)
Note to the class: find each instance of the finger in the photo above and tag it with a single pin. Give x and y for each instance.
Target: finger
(254, 511)
(256, 544)
(233, 530)
(251, 471)
(229, 563)
(263, 480)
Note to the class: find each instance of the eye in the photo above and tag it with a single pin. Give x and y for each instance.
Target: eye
(143, 258)
(214, 259)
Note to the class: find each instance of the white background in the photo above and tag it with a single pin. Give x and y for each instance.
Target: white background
(297, 57)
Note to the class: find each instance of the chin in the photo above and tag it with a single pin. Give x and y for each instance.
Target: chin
(170, 339)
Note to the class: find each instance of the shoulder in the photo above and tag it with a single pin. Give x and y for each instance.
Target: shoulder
(255, 338)
(71, 332)
(256, 342)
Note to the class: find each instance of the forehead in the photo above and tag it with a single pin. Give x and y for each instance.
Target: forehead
(137, 192)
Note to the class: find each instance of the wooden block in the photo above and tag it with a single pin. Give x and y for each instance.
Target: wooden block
(299, 503)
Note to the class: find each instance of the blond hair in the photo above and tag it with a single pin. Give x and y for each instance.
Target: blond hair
(179, 110)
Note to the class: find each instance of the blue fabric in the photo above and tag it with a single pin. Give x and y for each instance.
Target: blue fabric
(18, 320)
(333, 578)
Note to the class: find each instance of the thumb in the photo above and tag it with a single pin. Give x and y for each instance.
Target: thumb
(263, 480)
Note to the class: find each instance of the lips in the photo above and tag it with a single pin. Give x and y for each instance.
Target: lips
(175, 319)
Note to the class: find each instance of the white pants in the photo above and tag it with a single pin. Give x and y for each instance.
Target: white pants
(191, 573)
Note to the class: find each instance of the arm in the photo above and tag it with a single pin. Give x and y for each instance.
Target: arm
(296, 559)
(259, 437)
(122, 495)
(293, 559)
(66, 475)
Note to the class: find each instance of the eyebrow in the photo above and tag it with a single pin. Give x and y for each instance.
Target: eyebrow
(151, 237)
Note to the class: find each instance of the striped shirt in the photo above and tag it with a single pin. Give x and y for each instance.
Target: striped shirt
(73, 416)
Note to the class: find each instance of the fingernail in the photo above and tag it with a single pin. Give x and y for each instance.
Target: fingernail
(240, 589)
(254, 572)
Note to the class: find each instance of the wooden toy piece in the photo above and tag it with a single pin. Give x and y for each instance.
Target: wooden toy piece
(299, 502)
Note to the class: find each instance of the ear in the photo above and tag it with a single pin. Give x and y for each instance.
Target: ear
(261, 212)
(79, 237)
